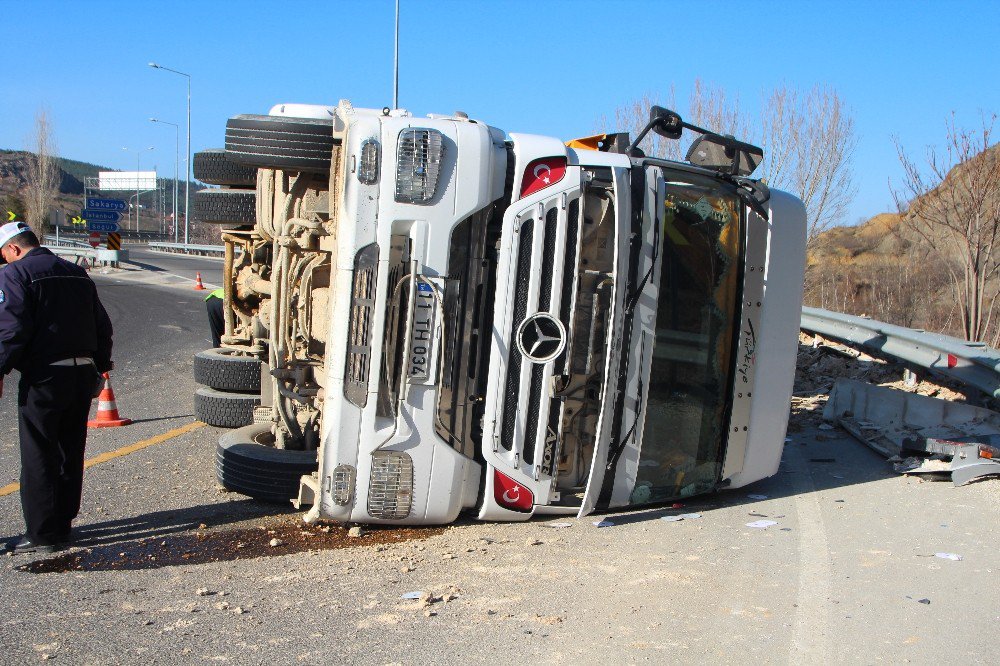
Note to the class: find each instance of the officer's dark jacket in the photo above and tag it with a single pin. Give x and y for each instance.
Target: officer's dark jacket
(49, 311)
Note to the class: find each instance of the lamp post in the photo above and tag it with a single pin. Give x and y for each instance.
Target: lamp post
(187, 166)
(176, 164)
(138, 153)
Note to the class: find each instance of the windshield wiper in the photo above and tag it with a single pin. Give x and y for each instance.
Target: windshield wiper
(633, 297)
(619, 447)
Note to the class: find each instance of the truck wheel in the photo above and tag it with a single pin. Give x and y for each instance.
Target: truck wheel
(213, 167)
(280, 142)
(226, 370)
(247, 462)
(225, 206)
(224, 409)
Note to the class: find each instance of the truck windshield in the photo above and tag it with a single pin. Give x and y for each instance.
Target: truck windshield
(687, 410)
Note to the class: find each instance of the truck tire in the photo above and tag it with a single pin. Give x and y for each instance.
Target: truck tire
(224, 409)
(226, 370)
(213, 167)
(246, 463)
(225, 206)
(281, 142)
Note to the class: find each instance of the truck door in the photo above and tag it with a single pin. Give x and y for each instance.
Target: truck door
(616, 458)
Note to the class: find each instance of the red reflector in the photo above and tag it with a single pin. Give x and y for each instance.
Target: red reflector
(542, 173)
(510, 494)
(952, 361)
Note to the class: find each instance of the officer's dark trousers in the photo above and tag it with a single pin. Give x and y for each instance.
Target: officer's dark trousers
(216, 319)
(53, 402)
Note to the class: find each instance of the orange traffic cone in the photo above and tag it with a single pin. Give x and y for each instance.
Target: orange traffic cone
(197, 282)
(107, 411)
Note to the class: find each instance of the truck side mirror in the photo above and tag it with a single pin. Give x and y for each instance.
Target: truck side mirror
(665, 122)
(724, 153)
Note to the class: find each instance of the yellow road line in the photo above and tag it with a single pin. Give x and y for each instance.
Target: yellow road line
(124, 451)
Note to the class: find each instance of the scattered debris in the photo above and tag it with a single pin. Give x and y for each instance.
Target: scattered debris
(924, 601)
(955, 557)
(411, 595)
(757, 497)
(355, 532)
(603, 523)
(825, 426)
(274, 543)
(762, 524)
(557, 526)
(202, 592)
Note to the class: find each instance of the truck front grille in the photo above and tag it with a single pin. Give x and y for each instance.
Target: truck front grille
(522, 280)
(390, 491)
(530, 420)
(358, 364)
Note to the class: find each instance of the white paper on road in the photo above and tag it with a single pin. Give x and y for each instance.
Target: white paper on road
(949, 556)
(762, 524)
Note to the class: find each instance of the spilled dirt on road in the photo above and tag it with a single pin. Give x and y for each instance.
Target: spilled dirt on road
(280, 537)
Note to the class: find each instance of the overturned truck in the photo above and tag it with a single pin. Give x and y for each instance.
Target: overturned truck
(429, 316)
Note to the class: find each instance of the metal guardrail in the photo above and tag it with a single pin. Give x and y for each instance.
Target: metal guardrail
(63, 241)
(66, 251)
(972, 363)
(188, 249)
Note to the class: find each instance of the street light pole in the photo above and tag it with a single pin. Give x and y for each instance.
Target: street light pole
(187, 166)
(176, 166)
(138, 153)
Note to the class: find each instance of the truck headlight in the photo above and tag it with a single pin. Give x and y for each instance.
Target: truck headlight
(368, 164)
(418, 165)
(343, 485)
(390, 493)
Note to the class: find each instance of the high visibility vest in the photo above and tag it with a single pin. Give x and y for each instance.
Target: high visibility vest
(217, 293)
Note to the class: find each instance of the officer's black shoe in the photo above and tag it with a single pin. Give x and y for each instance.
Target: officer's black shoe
(26, 545)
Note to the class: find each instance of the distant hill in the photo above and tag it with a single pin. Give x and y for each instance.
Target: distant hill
(13, 177)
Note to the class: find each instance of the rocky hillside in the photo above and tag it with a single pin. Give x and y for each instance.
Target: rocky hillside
(885, 269)
(13, 178)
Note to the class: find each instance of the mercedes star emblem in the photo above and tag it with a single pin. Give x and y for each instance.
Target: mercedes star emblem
(541, 337)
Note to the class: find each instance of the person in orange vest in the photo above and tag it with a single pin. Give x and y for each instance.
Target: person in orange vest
(57, 334)
(216, 319)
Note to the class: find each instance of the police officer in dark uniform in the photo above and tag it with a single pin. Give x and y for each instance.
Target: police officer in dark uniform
(56, 333)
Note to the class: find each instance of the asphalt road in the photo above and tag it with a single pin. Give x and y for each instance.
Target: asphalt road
(848, 573)
(176, 268)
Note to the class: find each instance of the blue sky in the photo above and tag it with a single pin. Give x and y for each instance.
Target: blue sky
(540, 67)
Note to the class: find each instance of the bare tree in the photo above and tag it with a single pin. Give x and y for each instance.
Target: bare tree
(632, 116)
(952, 202)
(710, 107)
(42, 175)
(808, 141)
(809, 144)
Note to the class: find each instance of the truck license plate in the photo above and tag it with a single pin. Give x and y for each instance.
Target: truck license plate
(422, 334)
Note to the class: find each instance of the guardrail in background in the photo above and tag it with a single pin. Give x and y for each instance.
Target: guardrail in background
(188, 249)
(972, 363)
(63, 241)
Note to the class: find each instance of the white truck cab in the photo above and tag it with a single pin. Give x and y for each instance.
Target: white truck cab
(512, 324)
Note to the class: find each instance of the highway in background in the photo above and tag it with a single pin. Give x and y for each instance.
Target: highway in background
(179, 265)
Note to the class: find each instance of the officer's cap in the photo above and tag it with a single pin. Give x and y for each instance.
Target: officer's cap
(10, 230)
